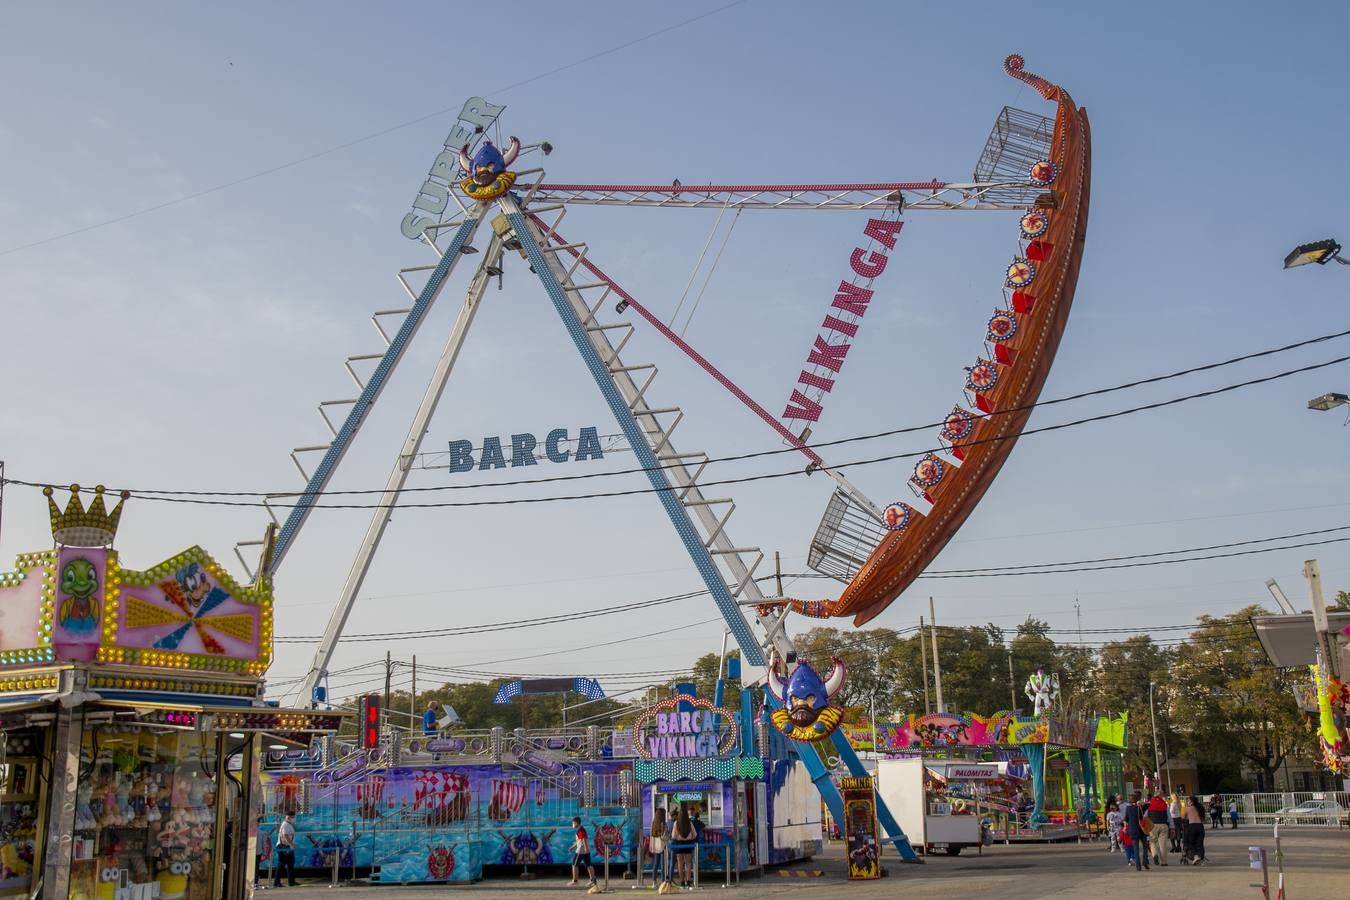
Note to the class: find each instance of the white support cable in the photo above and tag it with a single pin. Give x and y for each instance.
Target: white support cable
(711, 269)
(698, 265)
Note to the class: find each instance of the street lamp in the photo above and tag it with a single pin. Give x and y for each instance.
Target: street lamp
(1320, 252)
(1328, 401)
(1153, 714)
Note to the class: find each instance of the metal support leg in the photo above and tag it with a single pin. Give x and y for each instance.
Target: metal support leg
(61, 804)
(553, 275)
(371, 392)
(379, 519)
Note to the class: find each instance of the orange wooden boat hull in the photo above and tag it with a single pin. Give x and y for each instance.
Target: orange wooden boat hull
(1041, 311)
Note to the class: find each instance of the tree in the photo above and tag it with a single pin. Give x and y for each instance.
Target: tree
(1126, 669)
(473, 702)
(1231, 703)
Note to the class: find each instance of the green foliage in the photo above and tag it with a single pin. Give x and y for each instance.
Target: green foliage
(473, 702)
(1231, 702)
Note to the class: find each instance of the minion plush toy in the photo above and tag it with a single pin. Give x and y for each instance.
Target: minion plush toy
(173, 879)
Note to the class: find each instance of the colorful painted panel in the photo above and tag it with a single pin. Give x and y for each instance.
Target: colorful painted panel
(79, 604)
(80, 591)
(26, 605)
(188, 612)
(939, 730)
(481, 815)
(860, 829)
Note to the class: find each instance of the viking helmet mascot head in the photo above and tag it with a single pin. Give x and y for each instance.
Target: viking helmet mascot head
(807, 713)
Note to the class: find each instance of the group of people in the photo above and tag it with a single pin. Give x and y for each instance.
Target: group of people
(672, 845)
(1147, 830)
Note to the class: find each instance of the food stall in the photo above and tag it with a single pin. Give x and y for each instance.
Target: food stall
(941, 804)
(131, 718)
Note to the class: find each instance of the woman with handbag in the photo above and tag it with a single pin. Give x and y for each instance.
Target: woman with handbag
(656, 845)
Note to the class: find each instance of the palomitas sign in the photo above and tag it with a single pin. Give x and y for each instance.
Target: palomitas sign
(840, 326)
(699, 730)
(434, 194)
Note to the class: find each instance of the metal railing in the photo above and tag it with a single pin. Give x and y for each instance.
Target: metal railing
(1268, 807)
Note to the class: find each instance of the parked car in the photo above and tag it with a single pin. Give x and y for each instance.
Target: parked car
(1313, 812)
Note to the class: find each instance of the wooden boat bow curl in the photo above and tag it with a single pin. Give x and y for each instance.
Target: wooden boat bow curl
(1003, 389)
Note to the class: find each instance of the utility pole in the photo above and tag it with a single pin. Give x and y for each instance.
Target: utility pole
(1079, 610)
(937, 663)
(778, 571)
(923, 650)
(388, 679)
(1153, 714)
(412, 702)
(1012, 683)
(1319, 611)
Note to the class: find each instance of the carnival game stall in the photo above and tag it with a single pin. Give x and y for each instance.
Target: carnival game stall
(1053, 772)
(131, 714)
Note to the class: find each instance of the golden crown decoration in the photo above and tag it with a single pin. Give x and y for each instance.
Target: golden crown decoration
(80, 527)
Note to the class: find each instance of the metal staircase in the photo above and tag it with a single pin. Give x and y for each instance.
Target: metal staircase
(369, 386)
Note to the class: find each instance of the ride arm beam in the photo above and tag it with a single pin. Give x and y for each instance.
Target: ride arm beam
(619, 391)
(304, 504)
(384, 509)
(927, 195)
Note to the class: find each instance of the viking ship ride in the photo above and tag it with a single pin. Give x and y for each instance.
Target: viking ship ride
(1002, 389)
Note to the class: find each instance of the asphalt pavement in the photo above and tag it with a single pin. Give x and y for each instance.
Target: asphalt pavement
(1316, 863)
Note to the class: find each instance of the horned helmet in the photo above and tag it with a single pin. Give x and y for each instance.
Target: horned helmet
(806, 695)
(488, 162)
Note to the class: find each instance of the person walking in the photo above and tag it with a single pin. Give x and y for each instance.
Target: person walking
(1157, 835)
(656, 844)
(1136, 830)
(1232, 812)
(1176, 820)
(1215, 812)
(1113, 822)
(285, 851)
(581, 853)
(1195, 832)
(263, 851)
(684, 841)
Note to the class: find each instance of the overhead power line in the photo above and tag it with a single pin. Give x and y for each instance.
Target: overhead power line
(164, 494)
(1046, 568)
(272, 170)
(749, 478)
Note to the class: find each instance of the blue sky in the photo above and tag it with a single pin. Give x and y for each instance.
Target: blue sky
(187, 347)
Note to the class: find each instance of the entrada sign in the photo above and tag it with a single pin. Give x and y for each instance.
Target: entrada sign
(434, 194)
(523, 447)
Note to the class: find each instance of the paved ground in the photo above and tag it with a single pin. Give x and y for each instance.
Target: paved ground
(1316, 859)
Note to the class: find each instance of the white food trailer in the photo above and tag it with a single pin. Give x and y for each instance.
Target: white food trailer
(932, 820)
